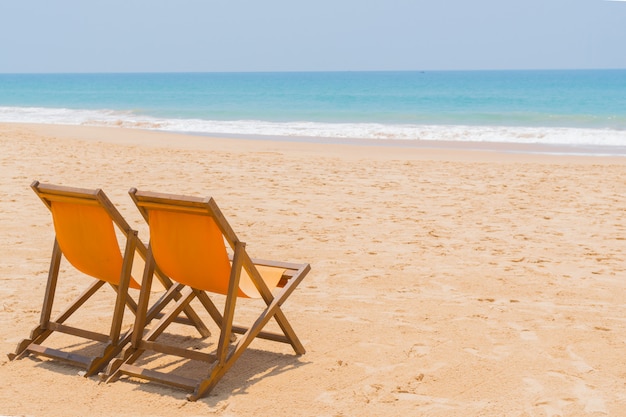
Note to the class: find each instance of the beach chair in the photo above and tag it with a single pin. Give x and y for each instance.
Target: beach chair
(188, 240)
(85, 235)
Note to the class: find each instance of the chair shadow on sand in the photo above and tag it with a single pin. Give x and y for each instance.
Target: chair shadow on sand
(254, 365)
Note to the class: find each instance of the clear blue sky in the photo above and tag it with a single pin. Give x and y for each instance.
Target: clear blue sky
(313, 35)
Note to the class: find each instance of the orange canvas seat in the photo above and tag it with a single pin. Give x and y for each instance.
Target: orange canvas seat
(193, 244)
(84, 224)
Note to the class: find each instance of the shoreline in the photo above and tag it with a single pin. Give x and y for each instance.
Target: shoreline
(454, 150)
(486, 146)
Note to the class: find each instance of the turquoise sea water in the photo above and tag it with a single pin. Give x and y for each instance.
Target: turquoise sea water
(578, 108)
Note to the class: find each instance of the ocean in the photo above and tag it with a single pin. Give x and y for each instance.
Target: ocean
(581, 109)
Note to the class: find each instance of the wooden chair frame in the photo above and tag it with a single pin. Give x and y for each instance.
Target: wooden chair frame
(227, 352)
(114, 341)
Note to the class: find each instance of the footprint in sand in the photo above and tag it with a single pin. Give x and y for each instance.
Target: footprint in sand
(528, 335)
(578, 362)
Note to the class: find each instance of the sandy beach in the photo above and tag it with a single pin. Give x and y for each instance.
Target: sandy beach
(445, 281)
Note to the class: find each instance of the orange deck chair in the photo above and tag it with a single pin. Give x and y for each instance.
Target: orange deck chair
(188, 238)
(85, 234)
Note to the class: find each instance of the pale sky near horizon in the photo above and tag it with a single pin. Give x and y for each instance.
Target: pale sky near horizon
(321, 35)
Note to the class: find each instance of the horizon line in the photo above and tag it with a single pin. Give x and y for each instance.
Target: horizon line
(312, 71)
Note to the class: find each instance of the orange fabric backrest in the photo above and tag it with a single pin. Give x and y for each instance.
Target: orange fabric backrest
(87, 238)
(190, 249)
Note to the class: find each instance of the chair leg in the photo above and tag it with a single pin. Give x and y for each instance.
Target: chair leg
(274, 303)
(41, 332)
(122, 292)
(115, 347)
(112, 372)
(53, 275)
(101, 361)
(285, 326)
(193, 317)
(205, 386)
(214, 312)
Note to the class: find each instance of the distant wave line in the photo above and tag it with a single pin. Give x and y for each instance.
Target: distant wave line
(376, 131)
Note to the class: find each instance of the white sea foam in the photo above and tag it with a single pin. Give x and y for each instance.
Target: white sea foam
(524, 135)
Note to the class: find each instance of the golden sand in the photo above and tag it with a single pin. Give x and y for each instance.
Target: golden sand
(445, 282)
